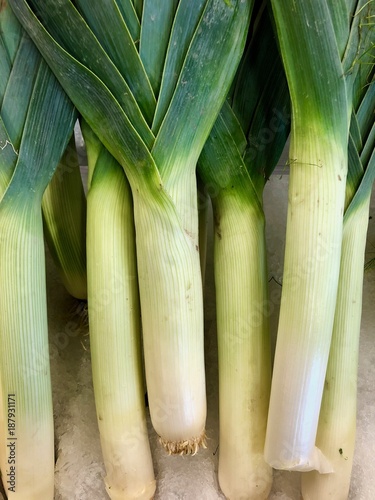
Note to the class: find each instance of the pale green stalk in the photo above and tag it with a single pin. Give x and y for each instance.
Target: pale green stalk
(24, 357)
(7, 158)
(239, 156)
(170, 354)
(337, 424)
(64, 216)
(337, 421)
(244, 346)
(318, 41)
(297, 387)
(313, 246)
(115, 334)
(36, 122)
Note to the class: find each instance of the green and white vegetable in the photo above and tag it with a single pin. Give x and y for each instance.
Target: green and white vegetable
(237, 159)
(153, 109)
(337, 422)
(36, 123)
(115, 330)
(319, 42)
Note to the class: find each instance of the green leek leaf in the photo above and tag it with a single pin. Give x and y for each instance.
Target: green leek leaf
(157, 19)
(182, 31)
(130, 15)
(78, 39)
(19, 87)
(109, 27)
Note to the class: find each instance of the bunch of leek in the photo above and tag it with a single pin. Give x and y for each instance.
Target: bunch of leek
(320, 43)
(36, 122)
(237, 159)
(150, 85)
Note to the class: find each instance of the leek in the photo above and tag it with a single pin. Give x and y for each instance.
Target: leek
(115, 340)
(36, 122)
(64, 218)
(153, 115)
(337, 422)
(238, 157)
(319, 42)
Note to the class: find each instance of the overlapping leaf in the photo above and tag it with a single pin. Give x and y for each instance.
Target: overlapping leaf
(36, 116)
(116, 99)
(251, 130)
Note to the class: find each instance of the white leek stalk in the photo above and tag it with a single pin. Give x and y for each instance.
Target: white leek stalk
(318, 170)
(5, 176)
(313, 246)
(39, 120)
(115, 340)
(173, 318)
(337, 424)
(235, 177)
(28, 461)
(244, 347)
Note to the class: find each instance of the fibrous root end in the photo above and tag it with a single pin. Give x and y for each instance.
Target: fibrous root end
(187, 447)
